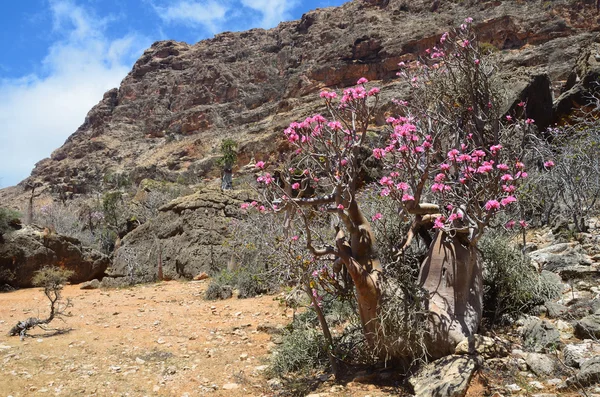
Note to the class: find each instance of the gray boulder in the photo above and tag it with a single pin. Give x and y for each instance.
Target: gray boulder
(188, 236)
(540, 336)
(588, 375)
(543, 365)
(588, 327)
(447, 377)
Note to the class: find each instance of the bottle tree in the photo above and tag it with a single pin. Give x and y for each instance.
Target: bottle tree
(450, 166)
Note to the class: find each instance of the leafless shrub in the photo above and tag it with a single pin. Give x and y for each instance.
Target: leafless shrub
(51, 279)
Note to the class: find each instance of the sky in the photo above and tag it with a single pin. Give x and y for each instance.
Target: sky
(58, 57)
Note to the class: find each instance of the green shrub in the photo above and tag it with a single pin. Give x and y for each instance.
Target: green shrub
(512, 286)
(301, 350)
(6, 217)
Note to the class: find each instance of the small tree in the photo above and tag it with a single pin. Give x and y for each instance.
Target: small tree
(51, 279)
(448, 170)
(227, 160)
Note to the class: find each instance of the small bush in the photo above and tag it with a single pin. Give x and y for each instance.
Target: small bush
(6, 217)
(512, 286)
(302, 350)
(216, 291)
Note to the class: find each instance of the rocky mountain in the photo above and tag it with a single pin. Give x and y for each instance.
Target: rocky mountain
(169, 115)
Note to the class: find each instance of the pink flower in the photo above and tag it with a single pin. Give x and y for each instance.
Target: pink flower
(549, 164)
(294, 238)
(453, 153)
(440, 177)
(244, 206)
(362, 80)
(385, 192)
(506, 177)
(521, 104)
(508, 117)
(502, 167)
(254, 203)
(519, 165)
(509, 224)
(438, 223)
(509, 188)
(340, 206)
(495, 149)
(529, 121)
(523, 224)
(492, 205)
(477, 62)
(507, 200)
(344, 162)
(407, 197)
(373, 91)
(260, 164)
(444, 167)
(468, 20)
(296, 186)
(378, 153)
(377, 216)
(454, 217)
(335, 125)
(385, 181)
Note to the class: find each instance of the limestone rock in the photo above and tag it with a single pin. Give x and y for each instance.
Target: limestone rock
(556, 310)
(588, 327)
(93, 284)
(540, 335)
(189, 231)
(27, 250)
(483, 346)
(543, 365)
(447, 377)
(589, 373)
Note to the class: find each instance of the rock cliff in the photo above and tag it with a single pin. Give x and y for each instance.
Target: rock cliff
(169, 115)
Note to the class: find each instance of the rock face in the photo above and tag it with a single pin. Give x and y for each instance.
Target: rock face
(29, 249)
(179, 101)
(187, 236)
(447, 377)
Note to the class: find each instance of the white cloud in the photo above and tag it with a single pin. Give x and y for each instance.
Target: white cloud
(38, 112)
(208, 14)
(272, 11)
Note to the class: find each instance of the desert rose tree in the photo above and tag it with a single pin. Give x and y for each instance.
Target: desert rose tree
(446, 168)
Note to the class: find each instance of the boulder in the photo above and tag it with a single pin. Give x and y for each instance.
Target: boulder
(561, 256)
(27, 250)
(483, 346)
(543, 365)
(556, 310)
(93, 284)
(588, 375)
(588, 327)
(188, 236)
(577, 354)
(540, 336)
(446, 377)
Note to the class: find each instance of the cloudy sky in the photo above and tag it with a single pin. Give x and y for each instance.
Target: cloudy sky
(60, 56)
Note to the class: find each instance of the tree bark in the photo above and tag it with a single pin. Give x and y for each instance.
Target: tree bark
(452, 275)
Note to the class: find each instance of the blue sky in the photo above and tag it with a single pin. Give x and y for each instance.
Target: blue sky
(60, 56)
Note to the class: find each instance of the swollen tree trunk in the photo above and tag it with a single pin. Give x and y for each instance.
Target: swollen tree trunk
(452, 275)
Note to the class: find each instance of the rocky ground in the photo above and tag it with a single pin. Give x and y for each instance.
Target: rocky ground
(160, 340)
(166, 340)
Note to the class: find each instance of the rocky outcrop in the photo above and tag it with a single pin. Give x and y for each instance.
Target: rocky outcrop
(179, 101)
(27, 250)
(188, 237)
(447, 377)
